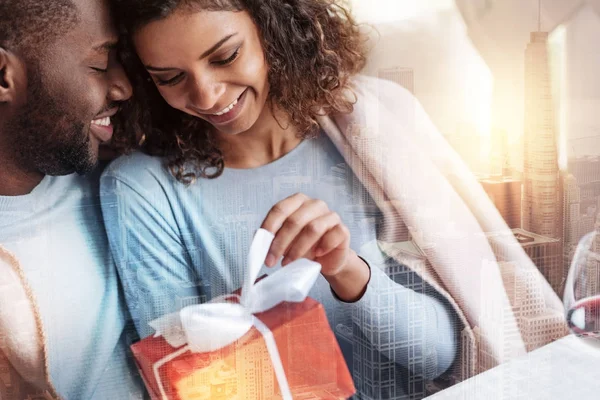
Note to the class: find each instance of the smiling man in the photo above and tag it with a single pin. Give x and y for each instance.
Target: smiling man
(62, 318)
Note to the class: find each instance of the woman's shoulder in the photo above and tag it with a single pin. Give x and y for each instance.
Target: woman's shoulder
(137, 168)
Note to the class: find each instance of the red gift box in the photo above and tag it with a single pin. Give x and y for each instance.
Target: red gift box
(309, 352)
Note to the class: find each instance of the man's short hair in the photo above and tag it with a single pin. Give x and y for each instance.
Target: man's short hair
(30, 25)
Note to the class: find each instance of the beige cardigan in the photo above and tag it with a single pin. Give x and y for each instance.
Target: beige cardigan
(421, 184)
(24, 372)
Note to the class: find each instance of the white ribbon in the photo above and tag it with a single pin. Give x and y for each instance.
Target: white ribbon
(212, 326)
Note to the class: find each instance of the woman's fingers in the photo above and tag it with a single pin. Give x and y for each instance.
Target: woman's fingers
(305, 227)
(291, 220)
(281, 211)
(313, 233)
(337, 237)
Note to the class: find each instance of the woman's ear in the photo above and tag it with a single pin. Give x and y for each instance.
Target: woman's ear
(12, 74)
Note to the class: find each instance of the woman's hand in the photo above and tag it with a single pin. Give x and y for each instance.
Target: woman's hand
(306, 228)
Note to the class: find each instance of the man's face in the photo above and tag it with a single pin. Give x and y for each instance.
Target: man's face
(73, 89)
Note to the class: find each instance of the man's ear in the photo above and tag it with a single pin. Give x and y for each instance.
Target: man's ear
(12, 75)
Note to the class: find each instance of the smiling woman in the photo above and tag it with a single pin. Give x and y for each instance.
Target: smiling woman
(264, 98)
(206, 62)
(241, 100)
(213, 81)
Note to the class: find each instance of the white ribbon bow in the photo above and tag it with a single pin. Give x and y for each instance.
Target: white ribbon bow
(211, 326)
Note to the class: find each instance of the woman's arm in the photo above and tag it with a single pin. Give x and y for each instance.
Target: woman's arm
(403, 324)
(153, 264)
(404, 319)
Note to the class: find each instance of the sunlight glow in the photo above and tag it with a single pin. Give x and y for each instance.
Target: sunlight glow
(395, 10)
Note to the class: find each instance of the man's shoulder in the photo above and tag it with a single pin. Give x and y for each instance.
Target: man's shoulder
(69, 185)
(67, 201)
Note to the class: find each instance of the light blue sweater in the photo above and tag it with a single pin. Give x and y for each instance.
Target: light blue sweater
(176, 245)
(58, 236)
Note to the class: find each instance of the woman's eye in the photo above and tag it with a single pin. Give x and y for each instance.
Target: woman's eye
(101, 70)
(169, 82)
(228, 60)
(177, 78)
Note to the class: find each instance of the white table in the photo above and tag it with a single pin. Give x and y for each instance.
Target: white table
(565, 369)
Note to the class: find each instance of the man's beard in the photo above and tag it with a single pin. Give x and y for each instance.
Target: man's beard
(48, 138)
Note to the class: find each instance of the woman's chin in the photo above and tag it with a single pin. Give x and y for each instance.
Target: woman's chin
(233, 129)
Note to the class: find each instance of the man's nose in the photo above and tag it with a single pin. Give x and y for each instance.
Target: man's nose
(120, 88)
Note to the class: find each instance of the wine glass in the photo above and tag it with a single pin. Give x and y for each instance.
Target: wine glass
(582, 290)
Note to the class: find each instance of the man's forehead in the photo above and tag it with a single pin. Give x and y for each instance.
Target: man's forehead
(96, 28)
(106, 45)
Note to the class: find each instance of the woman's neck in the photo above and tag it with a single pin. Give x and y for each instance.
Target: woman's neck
(268, 140)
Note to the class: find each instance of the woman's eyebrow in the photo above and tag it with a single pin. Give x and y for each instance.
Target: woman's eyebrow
(205, 54)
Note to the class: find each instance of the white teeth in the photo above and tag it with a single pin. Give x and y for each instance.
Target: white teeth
(102, 121)
(227, 109)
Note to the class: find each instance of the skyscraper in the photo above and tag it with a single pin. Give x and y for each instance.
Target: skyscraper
(571, 202)
(572, 216)
(545, 252)
(507, 330)
(587, 172)
(541, 201)
(585, 169)
(499, 159)
(505, 193)
(586, 224)
(591, 287)
(533, 321)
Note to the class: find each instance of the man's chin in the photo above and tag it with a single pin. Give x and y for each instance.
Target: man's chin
(81, 166)
(90, 164)
(80, 170)
(88, 169)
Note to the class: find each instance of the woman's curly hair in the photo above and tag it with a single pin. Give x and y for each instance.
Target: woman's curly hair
(312, 49)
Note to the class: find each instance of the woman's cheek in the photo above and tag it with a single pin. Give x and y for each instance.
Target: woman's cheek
(252, 66)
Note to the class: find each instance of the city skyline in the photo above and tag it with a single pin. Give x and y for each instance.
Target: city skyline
(560, 203)
(536, 202)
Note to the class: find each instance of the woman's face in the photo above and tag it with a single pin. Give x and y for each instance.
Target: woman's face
(208, 64)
